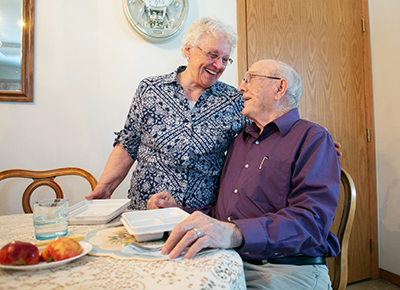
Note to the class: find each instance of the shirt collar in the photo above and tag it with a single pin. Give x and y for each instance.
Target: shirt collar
(286, 121)
(173, 77)
(283, 124)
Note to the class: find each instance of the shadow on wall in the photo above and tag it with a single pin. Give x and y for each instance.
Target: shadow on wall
(389, 222)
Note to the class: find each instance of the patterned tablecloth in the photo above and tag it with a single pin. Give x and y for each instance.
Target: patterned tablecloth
(220, 269)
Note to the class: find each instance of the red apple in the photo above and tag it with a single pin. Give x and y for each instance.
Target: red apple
(19, 253)
(61, 249)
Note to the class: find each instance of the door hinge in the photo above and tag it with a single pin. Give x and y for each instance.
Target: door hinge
(368, 135)
(370, 246)
(363, 24)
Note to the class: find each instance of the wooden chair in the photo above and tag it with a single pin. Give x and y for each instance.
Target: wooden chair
(341, 227)
(45, 177)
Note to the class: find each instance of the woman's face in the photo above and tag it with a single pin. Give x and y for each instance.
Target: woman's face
(204, 71)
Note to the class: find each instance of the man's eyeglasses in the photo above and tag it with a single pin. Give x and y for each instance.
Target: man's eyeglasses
(248, 76)
(213, 56)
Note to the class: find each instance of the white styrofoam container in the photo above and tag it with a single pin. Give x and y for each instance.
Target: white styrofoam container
(148, 225)
(96, 211)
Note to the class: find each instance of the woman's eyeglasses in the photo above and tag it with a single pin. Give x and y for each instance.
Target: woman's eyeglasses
(213, 56)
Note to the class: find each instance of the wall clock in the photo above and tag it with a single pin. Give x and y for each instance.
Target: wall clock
(156, 19)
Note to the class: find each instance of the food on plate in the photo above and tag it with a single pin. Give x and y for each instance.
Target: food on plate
(19, 253)
(61, 249)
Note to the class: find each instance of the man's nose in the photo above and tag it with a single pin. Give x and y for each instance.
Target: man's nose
(242, 86)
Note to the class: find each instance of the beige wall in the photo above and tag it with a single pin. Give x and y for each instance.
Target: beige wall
(385, 38)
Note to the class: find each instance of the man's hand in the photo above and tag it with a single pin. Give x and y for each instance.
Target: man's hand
(162, 199)
(210, 233)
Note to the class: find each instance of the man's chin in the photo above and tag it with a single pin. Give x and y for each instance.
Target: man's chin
(245, 113)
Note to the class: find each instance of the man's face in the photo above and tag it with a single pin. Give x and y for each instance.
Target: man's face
(259, 94)
(205, 70)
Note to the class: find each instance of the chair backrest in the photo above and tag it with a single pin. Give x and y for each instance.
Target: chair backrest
(45, 177)
(341, 227)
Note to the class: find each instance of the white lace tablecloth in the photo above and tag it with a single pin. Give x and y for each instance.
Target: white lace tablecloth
(222, 269)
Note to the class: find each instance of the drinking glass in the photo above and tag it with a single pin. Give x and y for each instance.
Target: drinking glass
(50, 218)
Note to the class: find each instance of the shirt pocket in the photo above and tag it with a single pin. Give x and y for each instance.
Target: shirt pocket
(269, 186)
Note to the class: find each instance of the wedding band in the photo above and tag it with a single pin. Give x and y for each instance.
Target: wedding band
(198, 233)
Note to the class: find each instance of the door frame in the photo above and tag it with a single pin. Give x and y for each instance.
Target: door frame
(243, 65)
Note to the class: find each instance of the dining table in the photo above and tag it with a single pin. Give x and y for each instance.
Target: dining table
(106, 268)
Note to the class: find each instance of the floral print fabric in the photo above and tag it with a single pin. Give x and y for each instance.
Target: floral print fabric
(179, 149)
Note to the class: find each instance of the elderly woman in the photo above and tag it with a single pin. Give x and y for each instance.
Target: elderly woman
(180, 125)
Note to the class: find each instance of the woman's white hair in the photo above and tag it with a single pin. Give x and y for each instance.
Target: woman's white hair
(208, 26)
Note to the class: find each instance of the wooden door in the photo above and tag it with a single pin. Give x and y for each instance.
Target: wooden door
(324, 41)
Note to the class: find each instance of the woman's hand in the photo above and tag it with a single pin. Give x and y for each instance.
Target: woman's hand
(337, 146)
(100, 192)
(162, 199)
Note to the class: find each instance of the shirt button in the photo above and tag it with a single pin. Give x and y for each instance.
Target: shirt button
(188, 125)
(185, 158)
(229, 219)
(235, 191)
(257, 142)
(246, 166)
(186, 140)
(184, 185)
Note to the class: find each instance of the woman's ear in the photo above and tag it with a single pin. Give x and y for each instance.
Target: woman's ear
(187, 52)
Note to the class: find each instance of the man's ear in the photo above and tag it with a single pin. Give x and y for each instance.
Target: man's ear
(281, 89)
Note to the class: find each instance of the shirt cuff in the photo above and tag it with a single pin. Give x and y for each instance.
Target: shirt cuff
(254, 236)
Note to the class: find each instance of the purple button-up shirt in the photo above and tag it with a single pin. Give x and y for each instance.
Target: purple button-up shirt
(281, 189)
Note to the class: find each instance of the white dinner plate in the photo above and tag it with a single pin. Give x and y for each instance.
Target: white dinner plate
(87, 247)
(97, 211)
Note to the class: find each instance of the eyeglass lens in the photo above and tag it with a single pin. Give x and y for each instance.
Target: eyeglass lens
(247, 78)
(214, 57)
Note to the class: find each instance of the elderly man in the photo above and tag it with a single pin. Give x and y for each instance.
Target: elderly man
(278, 192)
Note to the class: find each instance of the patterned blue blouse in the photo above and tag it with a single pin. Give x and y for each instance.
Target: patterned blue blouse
(179, 149)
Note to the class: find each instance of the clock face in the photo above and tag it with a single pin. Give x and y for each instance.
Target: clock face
(157, 3)
(156, 19)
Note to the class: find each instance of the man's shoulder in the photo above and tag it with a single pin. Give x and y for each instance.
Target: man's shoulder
(306, 130)
(308, 126)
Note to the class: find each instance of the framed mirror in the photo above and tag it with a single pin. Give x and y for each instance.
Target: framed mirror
(16, 50)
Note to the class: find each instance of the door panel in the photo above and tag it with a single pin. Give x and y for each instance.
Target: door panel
(323, 40)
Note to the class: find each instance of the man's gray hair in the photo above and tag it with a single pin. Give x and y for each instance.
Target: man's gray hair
(295, 86)
(208, 26)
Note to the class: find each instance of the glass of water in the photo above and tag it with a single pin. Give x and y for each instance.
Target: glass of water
(50, 218)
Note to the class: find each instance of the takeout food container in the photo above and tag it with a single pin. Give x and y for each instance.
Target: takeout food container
(97, 211)
(148, 225)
